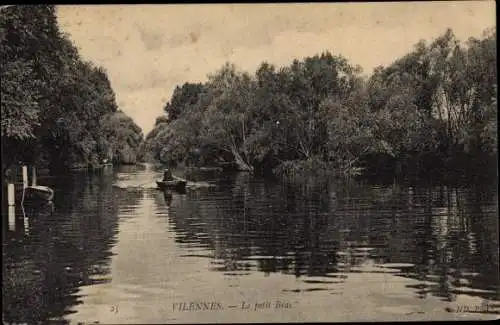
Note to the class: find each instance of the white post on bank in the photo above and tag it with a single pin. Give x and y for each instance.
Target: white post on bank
(25, 177)
(11, 195)
(11, 200)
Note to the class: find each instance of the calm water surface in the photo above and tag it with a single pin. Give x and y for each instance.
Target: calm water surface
(113, 249)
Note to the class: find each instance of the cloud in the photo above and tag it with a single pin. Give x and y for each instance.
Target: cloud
(149, 49)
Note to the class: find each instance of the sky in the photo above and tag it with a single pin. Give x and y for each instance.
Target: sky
(148, 50)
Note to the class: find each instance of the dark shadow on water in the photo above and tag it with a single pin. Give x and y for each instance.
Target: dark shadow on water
(55, 249)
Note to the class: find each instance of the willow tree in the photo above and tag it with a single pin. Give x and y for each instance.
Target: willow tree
(121, 138)
(226, 123)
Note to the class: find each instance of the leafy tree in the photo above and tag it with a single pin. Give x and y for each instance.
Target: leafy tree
(182, 98)
(435, 104)
(52, 102)
(122, 138)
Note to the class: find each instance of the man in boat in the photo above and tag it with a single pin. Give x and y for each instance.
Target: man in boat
(167, 175)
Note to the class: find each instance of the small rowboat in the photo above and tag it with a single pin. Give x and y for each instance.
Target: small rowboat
(178, 185)
(42, 193)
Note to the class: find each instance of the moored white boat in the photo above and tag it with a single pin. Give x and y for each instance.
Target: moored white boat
(37, 192)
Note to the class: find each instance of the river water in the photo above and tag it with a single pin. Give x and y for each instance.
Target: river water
(113, 249)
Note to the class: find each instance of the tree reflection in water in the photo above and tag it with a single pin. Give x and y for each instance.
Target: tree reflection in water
(322, 228)
(67, 245)
(318, 231)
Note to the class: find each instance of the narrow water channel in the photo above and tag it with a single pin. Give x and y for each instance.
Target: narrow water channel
(114, 249)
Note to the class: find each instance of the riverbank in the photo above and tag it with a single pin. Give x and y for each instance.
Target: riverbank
(479, 170)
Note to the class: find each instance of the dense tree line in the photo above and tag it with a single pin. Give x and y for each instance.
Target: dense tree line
(432, 108)
(58, 111)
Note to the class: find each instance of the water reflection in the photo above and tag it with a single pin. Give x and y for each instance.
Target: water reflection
(324, 230)
(320, 233)
(67, 245)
